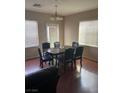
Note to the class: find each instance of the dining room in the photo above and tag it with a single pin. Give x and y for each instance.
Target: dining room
(61, 46)
(59, 32)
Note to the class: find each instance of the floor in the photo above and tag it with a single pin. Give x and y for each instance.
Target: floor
(79, 80)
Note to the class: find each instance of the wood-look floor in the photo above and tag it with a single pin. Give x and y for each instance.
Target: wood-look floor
(76, 80)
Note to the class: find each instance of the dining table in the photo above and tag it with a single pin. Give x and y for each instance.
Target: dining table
(55, 52)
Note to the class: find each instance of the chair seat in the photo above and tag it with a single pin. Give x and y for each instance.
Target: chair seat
(60, 57)
(70, 60)
(47, 57)
(77, 57)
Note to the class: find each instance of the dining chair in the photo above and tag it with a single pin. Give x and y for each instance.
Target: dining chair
(56, 44)
(60, 56)
(78, 55)
(45, 58)
(68, 57)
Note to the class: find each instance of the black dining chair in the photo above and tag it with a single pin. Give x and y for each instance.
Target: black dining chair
(60, 56)
(68, 57)
(45, 58)
(78, 55)
(56, 44)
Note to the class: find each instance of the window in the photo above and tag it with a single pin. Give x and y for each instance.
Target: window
(52, 33)
(31, 34)
(88, 33)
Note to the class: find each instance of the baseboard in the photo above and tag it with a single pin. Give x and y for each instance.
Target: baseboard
(90, 59)
(83, 57)
(31, 58)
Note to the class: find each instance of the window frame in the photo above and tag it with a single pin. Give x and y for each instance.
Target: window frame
(87, 43)
(48, 36)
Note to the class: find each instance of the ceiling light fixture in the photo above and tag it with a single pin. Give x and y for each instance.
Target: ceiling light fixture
(56, 17)
(37, 5)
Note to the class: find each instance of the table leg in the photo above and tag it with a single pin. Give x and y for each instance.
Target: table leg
(56, 59)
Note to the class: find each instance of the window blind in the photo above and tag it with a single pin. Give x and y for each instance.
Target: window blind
(31, 34)
(88, 33)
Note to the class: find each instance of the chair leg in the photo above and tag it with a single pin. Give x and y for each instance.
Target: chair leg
(58, 63)
(41, 64)
(52, 62)
(64, 67)
(49, 63)
(81, 62)
(74, 63)
(71, 65)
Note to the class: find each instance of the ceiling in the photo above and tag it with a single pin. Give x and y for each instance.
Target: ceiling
(65, 7)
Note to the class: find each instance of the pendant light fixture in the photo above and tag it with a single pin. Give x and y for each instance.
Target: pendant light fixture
(56, 17)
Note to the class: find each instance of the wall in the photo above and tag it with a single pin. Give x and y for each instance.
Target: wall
(42, 20)
(91, 53)
(71, 31)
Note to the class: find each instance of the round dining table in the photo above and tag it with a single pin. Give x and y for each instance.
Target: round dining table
(55, 52)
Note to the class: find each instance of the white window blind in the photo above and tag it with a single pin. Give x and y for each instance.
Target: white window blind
(31, 34)
(88, 33)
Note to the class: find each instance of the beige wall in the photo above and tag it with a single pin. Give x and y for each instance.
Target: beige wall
(42, 20)
(71, 29)
(91, 53)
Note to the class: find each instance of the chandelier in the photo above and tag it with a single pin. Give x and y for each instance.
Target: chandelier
(56, 17)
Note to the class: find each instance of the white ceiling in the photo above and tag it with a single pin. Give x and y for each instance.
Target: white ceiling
(65, 7)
